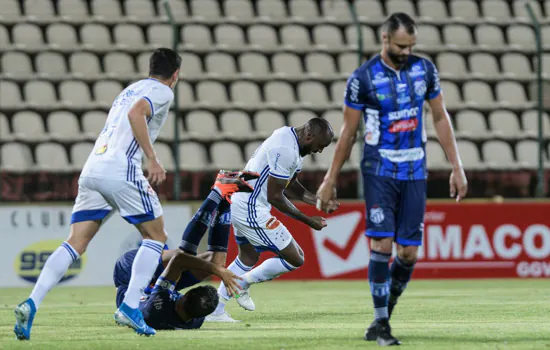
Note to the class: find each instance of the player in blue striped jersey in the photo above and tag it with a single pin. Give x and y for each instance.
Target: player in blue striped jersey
(389, 92)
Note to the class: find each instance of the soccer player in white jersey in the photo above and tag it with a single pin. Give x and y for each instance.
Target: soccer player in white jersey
(112, 179)
(278, 160)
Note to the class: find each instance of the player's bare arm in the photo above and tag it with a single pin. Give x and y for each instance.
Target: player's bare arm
(295, 190)
(348, 134)
(277, 198)
(138, 121)
(442, 123)
(182, 261)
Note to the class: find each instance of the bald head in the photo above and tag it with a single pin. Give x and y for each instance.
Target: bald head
(314, 136)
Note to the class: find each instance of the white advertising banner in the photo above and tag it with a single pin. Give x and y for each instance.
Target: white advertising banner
(29, 234)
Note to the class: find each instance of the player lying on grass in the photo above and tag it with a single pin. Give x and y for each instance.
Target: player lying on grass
(177, 269)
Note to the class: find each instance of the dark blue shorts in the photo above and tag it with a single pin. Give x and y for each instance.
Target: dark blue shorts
(395, 208)
(123, 272)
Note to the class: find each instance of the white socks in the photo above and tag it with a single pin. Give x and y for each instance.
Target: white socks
(143, 268)
(268, 270)
(57, 264)
(239, 269)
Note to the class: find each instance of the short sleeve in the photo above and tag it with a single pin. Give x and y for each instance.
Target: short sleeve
(280, 161)
(355, 95)
(158, 97)
(434, 86)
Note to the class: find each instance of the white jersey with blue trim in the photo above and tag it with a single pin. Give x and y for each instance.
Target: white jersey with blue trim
(116, 153)
(278, 156)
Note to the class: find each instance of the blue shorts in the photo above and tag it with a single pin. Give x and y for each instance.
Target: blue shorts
(123, 272)
(395, 208)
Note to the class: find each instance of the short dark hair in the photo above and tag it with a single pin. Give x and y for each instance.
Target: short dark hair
(164, 62)
(200, 301)
(319, 126)
(397, 20)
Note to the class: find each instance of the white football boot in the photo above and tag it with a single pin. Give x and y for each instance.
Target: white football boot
(224, 317)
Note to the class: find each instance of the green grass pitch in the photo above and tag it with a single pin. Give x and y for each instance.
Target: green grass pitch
(443, 314)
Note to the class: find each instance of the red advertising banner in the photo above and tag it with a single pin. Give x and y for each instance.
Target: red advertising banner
(460, 241)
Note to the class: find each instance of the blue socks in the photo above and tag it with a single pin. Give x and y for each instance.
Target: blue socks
(400, 275)
(379, 274)
(218, 236)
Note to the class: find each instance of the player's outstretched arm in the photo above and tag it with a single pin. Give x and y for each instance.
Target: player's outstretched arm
(277, 198)
(348, 134)
(295, 190)
(444, 130)
(138, 121)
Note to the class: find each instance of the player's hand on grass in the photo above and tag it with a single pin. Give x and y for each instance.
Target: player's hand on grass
(325, 195)
(230, 280)
(157, 174)
(317, 222)
(458, 184)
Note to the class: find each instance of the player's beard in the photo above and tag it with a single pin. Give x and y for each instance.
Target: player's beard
(396, 59)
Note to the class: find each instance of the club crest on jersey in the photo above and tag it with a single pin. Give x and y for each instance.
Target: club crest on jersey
(101, 149)
(420, 87)
(377, 215)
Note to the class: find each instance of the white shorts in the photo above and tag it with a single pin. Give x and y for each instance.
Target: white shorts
(264, 232)
(136, 201)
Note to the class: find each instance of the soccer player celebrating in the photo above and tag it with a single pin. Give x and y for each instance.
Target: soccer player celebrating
(164, 307)
(278, 159)
(112, 178)
(389, 91)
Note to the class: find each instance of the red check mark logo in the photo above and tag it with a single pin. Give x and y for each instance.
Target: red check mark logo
(345, 252)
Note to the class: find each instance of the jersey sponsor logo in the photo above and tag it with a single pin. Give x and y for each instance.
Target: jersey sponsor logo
(377, 215)
(416, 71)
(404, 113)
(402, 155)
(272, 223)
(372, 126)
(401, 87)
(380, 78)
(354, 90)
(403, 98)
(30, 261)
(403, 125)
(420, 88)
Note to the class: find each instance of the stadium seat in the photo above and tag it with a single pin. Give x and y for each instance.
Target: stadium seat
(160, 35)
(178, 7)
(337, 90)
(10, 11)
(196, 36)
(39, 9)
(265, 121)
(469, 155)
(527, 152)
(312, 93)
(236, 125)
(51, 157)
(250, 148)
(119, 65)
(28, 126)
(192, 156)
(521, 36)
(452, 94)
(303, 8)
(50, 64)
(106, 9)
(464, 9)
(84, 65)
(327, 36)
(477, 93)
(226, 155)
(271, 9)
(201, 124)
(207, 9)
(253, 64)
(211, 93)
(4, 36)
(245, 93)
(73, 10)
(287, 64)
(498, 155)
(309, 164)
(220, 64)
(432, 9)
(489, 36)
(370, 9)
(484, 65)
(185, 94)
(262, 36)
(5, 133)
(457, 35)
(105, 92)
(63, 126)
(229, 36)
(239, 9)
(279, 93)
(495, 9)
(516, 65)
(428, 35)
(40, 94)
(61, 36)
(164, 155)
(143, 10)
(167, 131)
(74, 93)
(95, 36)
(92, 123)
(510, 93)
(11, 95)
(16, 157)
(323, 160)
(337, 10)
(451, 64)
(505, 124)
(530, 120)
(79, 154)
(143, 63)
(27, 36)
(295, 36)
(299, 117)
(471, 123)
(347, 63)
(129, 36)
(406, 6)
(368, 34)
(17, 64)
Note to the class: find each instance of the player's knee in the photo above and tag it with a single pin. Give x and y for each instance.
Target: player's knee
(249, 259)
(381, 245)
(296, 261)
(407, 254)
